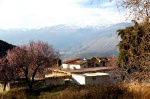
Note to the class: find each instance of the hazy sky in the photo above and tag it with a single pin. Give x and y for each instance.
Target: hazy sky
(42, 13)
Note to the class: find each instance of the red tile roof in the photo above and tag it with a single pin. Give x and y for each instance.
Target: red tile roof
(70, 61)
(77, 63)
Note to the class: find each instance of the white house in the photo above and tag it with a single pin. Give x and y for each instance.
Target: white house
(91, 78)
(74, 64)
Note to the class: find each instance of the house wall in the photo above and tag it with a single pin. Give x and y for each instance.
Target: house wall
(65, 66)
(72, 66)
(97, 79)
(82, 80)
(78, 79)
(96, 62)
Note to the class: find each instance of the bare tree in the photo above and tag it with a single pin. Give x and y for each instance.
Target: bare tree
(136, 9)
(32, 59)
(139, 9)
(6, 72)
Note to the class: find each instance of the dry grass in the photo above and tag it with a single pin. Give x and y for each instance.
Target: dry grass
(14, 94)
(106, 91)
(140, 91)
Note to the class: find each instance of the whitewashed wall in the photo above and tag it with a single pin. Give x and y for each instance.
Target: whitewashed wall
(82, 80)
(78, 79)
(65, 66)
(72, 66)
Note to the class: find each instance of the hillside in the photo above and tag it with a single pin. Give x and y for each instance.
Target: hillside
(4, 47)
(102, 44)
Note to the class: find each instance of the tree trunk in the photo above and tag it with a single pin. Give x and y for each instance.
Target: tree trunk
(30, 86)
(29, 83)
(4, 88)
(32, 79)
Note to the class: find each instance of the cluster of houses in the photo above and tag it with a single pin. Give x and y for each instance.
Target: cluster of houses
(78, 63)
(93, 70)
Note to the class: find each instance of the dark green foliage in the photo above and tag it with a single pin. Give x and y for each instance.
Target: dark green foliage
(134, 51)
(4, 47)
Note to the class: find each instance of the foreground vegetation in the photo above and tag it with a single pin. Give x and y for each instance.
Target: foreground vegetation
(134, 51)
(106, 91)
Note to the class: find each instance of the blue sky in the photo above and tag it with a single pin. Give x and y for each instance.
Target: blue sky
(43, 13)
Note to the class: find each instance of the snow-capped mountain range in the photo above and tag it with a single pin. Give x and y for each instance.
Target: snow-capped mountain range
(70, 40)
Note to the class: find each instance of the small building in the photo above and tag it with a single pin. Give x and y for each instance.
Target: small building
(76, 63)
(101, 62)
(64, 72)
(97, 62)
(91, 78)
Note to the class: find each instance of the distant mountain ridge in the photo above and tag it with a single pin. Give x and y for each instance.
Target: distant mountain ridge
(55, 35)
(71, 41)
(101, 44)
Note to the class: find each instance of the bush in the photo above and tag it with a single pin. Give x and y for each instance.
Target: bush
(14, 94)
